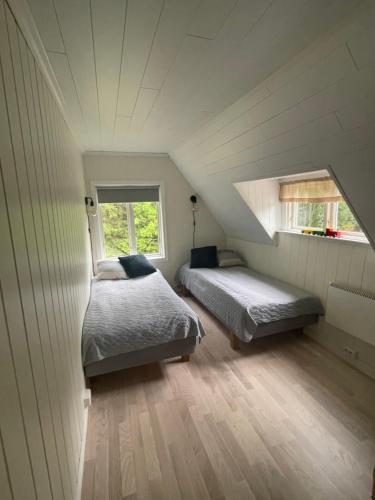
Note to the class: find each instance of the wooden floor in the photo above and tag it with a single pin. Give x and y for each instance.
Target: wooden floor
(281, 419)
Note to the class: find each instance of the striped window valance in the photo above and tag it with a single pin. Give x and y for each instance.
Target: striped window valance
(310, 191)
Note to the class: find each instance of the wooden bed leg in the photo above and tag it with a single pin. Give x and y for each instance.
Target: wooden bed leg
(185, 358)
(234, 343)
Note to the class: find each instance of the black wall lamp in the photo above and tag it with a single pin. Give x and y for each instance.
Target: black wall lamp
(90, 206)
(194, 209)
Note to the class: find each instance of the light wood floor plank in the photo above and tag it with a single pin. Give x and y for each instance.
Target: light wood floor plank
(279, 419)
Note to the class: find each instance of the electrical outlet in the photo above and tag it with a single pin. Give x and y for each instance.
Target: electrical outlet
(87, 398)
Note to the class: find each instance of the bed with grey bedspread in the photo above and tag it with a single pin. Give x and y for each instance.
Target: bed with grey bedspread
(249, 303)
(126, 316)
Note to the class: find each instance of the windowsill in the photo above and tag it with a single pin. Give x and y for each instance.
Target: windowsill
(343, 239)
(158, 258)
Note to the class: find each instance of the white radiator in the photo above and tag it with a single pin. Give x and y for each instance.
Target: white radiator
(352, 310)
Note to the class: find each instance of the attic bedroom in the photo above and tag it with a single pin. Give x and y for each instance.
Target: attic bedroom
(187, 271)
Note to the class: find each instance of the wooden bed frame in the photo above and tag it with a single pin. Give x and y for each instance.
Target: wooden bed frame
(181, 348)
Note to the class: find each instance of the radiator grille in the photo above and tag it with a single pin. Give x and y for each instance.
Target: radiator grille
(356, 291)
(352, 310)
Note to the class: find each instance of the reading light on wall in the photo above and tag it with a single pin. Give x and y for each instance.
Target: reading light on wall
(194, 209)
(90, 210)
(90, 206)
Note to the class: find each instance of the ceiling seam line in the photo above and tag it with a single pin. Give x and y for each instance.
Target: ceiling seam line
(120, 70)
(268, 119)
(96, 73)
(145, 69)
(266, 139)
(70, 68)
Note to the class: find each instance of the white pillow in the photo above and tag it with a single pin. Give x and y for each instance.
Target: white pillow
(110, 270)
(229, 258)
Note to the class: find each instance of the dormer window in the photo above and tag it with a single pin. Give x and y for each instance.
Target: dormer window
(308, 203)
(316, 204)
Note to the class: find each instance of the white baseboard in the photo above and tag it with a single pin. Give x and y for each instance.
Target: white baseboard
(82, 455)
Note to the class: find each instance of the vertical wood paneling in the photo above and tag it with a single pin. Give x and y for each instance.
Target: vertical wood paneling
(36, 350)
(262, 196)
(44, 282)
(4, 479)
(54, 358)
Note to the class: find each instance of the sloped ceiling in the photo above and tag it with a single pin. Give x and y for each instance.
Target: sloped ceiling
(143, 75)
(317, 111)
(233, 90)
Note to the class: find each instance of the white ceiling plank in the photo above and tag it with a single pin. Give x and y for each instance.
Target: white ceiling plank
(122, 129)
(75, 23)
(142, 109)
(185, 73)
(221, 65)
(359, 114)
(218, 122)
(141, 22)
(44, 14)
(312, 132)
(108, 20)
(244, 141)
(179, 85)
(174, 22)
(210, 17)
(61, 68)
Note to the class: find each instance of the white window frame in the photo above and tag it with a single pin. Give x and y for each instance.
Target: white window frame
(96, 226)
(290, 215)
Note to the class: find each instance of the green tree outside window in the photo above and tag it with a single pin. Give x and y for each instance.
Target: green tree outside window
(115, 225)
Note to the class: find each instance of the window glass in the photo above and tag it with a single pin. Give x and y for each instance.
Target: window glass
(319, 216)
(146, 225)
(131, 228)
(345, 219)
(115, 229)
(316, 203)
(311, 215)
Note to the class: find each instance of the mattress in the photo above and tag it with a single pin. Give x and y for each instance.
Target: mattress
(125, 316)
(247, 302)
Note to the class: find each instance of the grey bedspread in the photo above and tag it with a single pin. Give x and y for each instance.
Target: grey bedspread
(129, 315)
(245, 300)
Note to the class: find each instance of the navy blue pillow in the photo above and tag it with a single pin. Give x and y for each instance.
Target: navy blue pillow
(203, 257)
(136, 265)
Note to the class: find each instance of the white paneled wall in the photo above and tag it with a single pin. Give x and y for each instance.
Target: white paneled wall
(44, 283)
(262, 197)
(312, 262)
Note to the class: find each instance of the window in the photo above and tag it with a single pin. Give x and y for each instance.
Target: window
(131, 221)
(317, 204)
(319, 216)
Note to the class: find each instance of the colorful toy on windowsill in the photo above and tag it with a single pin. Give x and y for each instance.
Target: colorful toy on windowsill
(314, 232)
(331, 233)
